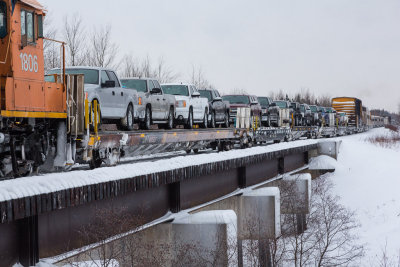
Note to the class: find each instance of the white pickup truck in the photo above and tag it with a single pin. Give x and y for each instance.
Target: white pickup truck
(190, 108)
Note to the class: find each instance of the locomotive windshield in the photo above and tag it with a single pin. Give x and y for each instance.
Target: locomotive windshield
(236, 99)
(175, 90)
(3, 19)
(138, 85)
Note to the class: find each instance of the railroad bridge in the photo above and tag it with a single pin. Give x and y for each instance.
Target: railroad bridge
(41, 216)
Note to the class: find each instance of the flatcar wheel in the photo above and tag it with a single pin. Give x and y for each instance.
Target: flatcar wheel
(96, 161)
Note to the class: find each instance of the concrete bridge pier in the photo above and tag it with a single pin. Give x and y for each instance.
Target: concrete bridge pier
(258, 221)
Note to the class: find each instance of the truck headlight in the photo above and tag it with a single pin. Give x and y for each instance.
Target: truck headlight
(180, 104)
(140, 101)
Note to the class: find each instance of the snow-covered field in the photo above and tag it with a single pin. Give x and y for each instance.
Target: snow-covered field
(367, 178)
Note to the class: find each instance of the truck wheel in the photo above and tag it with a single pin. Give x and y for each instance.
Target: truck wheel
(128, 121)
(189, 123)
(226, 121)
(170, 123)
(147, 120)
(205, 120)
(212, 121)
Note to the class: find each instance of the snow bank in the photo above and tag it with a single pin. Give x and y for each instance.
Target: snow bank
(367, 178)
(322, 162)
(34, 185)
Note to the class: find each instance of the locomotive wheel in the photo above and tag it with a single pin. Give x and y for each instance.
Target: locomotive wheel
(226, 120)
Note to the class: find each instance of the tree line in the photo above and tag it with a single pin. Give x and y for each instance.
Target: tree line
(94, 46)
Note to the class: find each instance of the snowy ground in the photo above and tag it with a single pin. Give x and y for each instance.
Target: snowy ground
(367, 179)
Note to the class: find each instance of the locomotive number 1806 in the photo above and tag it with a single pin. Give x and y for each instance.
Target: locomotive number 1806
(29, 62)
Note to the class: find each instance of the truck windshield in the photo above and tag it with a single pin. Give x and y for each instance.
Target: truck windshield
(313, 108)
(90, 76)
(281, 104)
(264, 102)
(206, 94)
(236, 99)
(302, 108)
(175, 90)
(138, 85)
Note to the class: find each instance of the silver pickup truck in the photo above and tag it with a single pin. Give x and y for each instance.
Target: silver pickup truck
(116, 103)
(154, 107)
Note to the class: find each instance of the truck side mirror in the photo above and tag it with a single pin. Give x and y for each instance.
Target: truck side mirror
(155, 91)
(196, 94)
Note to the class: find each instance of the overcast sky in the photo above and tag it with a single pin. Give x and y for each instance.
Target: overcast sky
(335, 47)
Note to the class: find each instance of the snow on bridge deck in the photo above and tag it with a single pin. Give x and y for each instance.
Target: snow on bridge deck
(48, 183)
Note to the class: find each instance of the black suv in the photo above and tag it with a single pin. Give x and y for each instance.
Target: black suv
(265, 102)
(218, 109)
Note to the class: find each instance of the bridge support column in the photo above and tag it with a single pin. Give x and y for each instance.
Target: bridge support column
(208, 238)
(281, 165)
(175, 197)
(258, 221)
(329, 148)
(28, 242)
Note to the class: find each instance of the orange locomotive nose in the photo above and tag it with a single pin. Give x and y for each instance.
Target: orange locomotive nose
(24, 91)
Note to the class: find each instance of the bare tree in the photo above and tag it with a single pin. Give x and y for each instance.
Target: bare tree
(74, 36)
(102, 52)
(163, 72)
(51, 50)
(131, 67)
(238, 91)
(197, 77)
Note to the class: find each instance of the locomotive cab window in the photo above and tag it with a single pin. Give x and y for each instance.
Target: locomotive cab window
(3, 19)
(27, 27)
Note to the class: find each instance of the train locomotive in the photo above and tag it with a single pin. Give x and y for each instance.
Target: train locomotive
(31, 109)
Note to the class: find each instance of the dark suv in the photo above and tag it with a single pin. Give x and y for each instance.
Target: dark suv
(265, 102)
(297, 116)
(306, 114)
(243, 101)
(218, 109)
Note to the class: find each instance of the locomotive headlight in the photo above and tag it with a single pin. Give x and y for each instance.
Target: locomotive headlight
(140, 101)
(180, 104)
